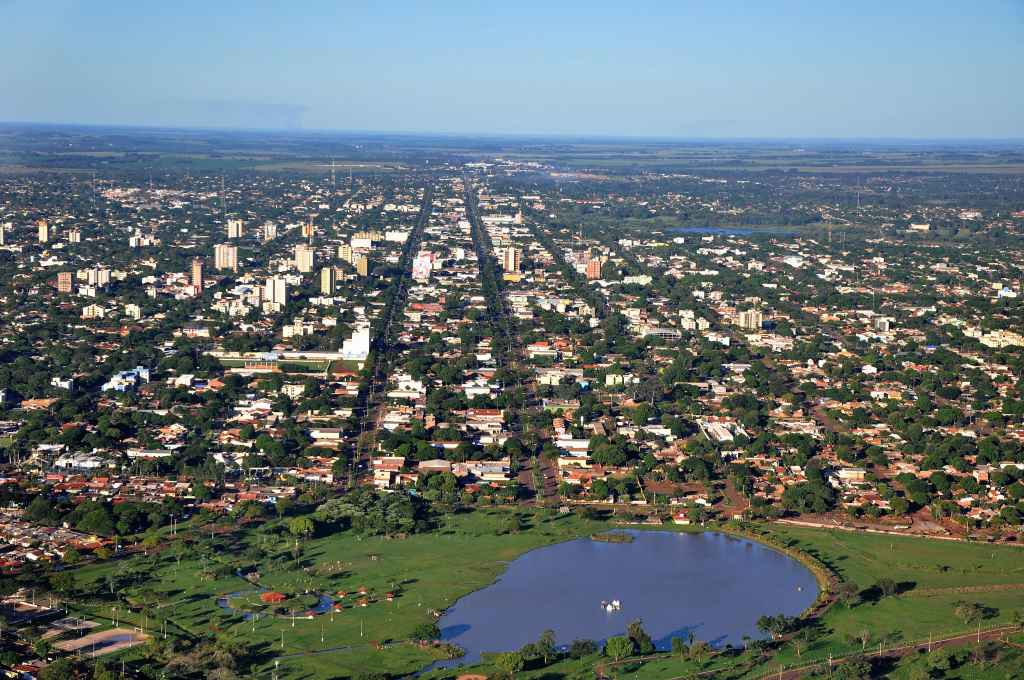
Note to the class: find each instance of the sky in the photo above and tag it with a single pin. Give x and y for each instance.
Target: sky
(683, 69)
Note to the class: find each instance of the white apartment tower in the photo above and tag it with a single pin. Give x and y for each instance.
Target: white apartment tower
(234, 228)
(304, 258)
(225, 256)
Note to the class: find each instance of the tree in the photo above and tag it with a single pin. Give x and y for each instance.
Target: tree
(886, 586)
(641, 640)
(679, 647)
(545, 646)
(510, 662)
(581, 648)
(848, 593)
(426, 631)
(618, 647)
(301, 526)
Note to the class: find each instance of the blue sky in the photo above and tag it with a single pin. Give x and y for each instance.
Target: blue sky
(899, 68)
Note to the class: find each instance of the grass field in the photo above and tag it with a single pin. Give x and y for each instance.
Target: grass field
(430, 571)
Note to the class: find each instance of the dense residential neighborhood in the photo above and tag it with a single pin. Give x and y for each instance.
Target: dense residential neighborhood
(233, 369)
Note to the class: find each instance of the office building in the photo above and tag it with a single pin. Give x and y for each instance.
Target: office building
(304, 258)
(225, 257)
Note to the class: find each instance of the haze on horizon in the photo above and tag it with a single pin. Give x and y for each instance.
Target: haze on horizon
(660, 69)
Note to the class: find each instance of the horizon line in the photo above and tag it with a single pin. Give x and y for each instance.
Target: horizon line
(506, 135)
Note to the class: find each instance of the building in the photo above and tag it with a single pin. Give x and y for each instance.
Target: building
(235, 229)
(327, 280)
(225, 257)
(276, 292)
(197, 273)
(357, 348)
(362, 264)
(44, 231)
(750, 319)
(510, 259)
(307, 230)
(133, 311)
(3, 232)
(65, 283)
(304, 258)
(269, 231)
(422, 266)
(93, 312)
(75, 236)
(593, 269)
(345, 253)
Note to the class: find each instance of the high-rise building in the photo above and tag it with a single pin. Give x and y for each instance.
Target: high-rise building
(304, 258)
(750, 319)
(44, 231)
(75, 235)
(510, 258)
(235, 228)
(133, 311)
(594, 269)
(276, 291)
(307, 230)
(197, 273)
(327, 280)
(3, 232)
(362, 264)
(65, 282)
(345, 253)
(269, 231)
(225, 256)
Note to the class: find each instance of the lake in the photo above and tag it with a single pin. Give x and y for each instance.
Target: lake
(711, 584)
(734, 231)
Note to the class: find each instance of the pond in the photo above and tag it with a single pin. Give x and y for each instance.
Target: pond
(711, 584)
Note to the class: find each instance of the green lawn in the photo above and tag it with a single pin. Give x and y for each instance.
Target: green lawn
(430, 572)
